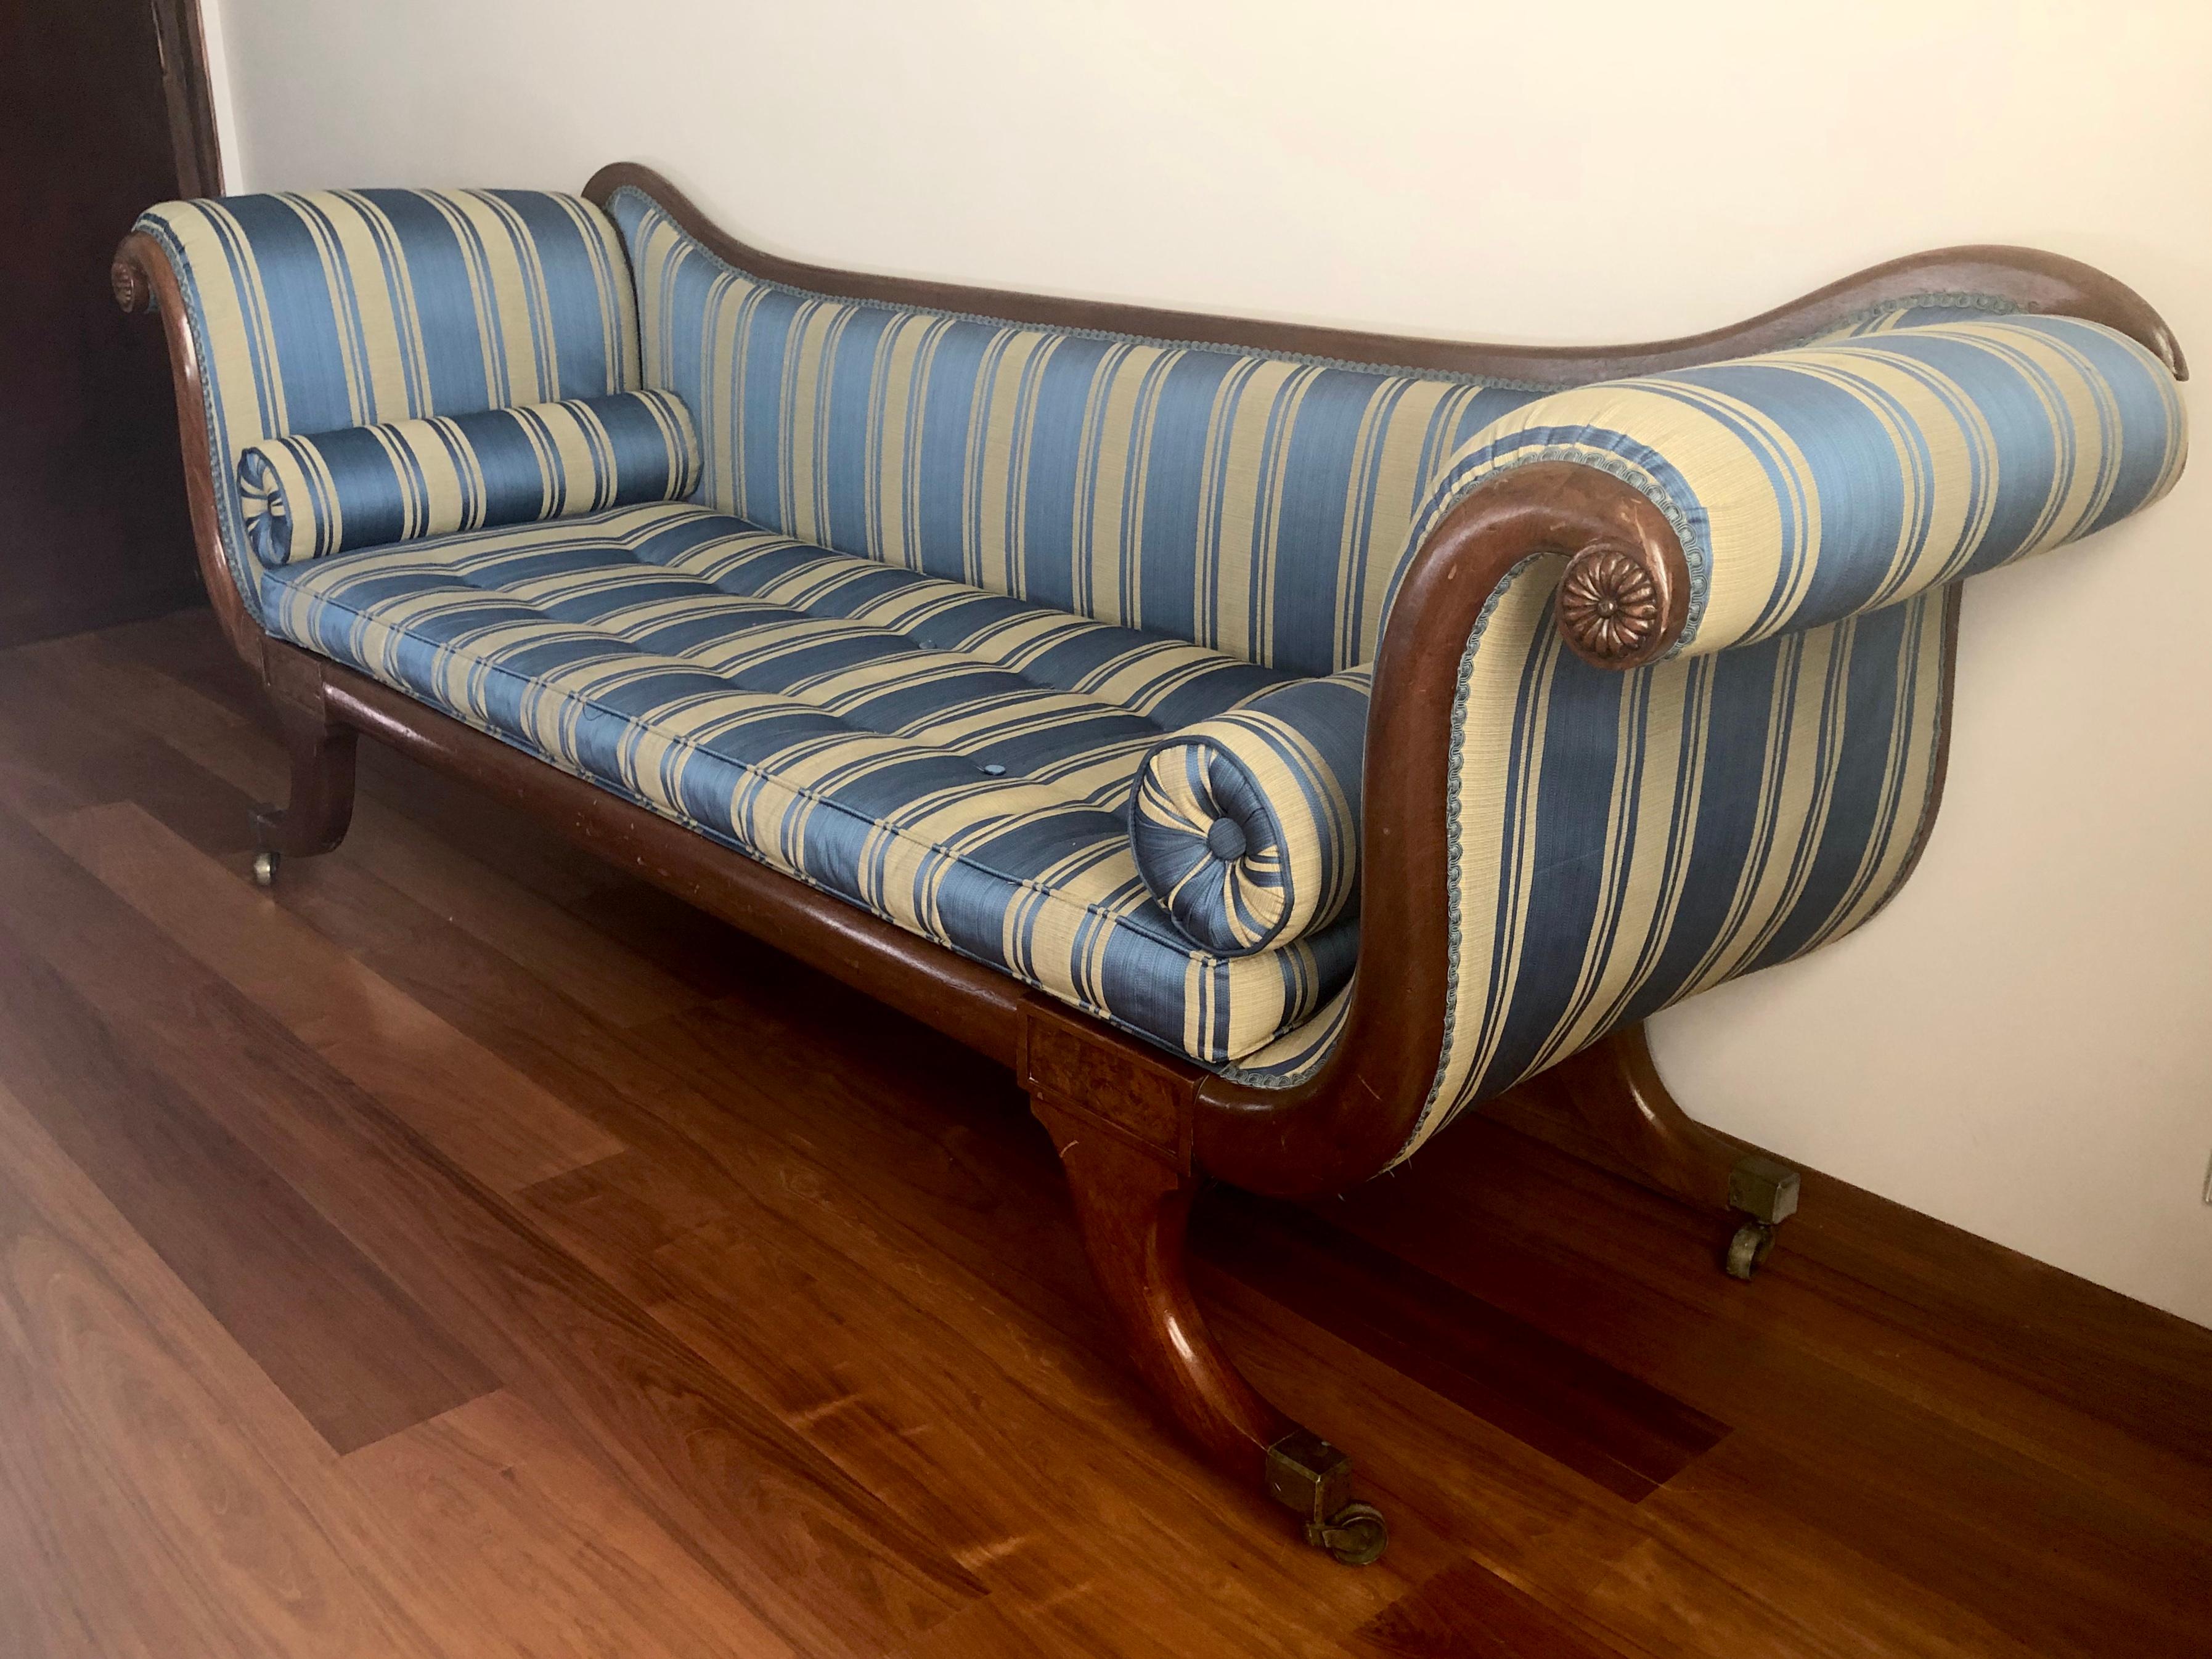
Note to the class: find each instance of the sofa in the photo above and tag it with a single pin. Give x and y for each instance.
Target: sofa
(1271, 742)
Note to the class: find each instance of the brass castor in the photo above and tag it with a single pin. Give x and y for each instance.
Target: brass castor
(1753, 1242)
(264, 868)
(1308, 1474)
(1355, 1535)
(1766, 1192)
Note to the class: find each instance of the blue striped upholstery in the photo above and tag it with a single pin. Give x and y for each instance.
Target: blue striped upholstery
(1256, 504)
(1246, 826)
(366, 486)
(956, 761)
(341, 308)
(1621, 841)
(953, 585)
(1807, 485)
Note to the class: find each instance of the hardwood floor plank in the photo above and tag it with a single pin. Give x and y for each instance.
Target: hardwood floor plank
(357, 1355)
(800, 1353)
(495, 1527)
(495, 1123)
(479, 829)
(1593, 1416)
(57, 752)
(1470, 1613)
(813, 1555)
(890, 1390)
(155, 1491)
(1730, 1517)
(2038, 1327)
(950, 1153)
(992, 1630)
(1880, 1467)
(2062, 1370)
(509, 1014)
(2073, 1342)
(620, 986)
(893, 1398)
(1605, 1565)
(755, 1148)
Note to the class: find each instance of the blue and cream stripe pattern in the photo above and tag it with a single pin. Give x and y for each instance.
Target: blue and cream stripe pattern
(1811, 484)
(1049, 645)
(1246, 826)
(1621, 841)
(321, 310)
(1251, 503)
(956, 762)
(368, 486)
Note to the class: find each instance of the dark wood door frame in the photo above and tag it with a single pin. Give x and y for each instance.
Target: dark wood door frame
(106, 107)
(190, 92)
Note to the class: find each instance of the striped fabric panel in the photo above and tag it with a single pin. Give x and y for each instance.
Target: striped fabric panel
(1247, 826)
(931, 730)
(368, 486)
(339, 308)
(955, 761)
(1298, 1053)
(1807, 485)
(1253, 504)
(1622, 841)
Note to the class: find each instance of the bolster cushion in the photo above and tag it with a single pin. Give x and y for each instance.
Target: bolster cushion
(1811, 484)
(1246, 826)
(369, 486)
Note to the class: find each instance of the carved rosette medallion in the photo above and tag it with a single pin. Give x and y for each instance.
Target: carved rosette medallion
(1611, 607)
(132, 291)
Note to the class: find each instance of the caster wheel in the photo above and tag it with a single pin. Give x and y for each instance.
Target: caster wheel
(265, 869)
(1752, 1244)
(1355, 1535)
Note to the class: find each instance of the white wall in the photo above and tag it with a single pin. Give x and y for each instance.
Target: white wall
(2022, 1044)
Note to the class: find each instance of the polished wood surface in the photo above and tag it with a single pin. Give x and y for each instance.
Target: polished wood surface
(785, 1343)
(317, 806)
(354, 1354)
(188, 90)
(140, 276)
(1579, 1105)
(1133, 1208)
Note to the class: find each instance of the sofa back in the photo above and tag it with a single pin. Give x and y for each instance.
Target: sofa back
(1254, 503)
(340, 308)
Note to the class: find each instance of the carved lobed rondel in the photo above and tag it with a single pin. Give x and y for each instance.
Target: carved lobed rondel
(1613, 605)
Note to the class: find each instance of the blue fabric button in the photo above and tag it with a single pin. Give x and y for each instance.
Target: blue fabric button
(1225, 841)
(994, 771)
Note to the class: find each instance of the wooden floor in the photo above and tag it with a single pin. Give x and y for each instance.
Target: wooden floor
(467, 1251)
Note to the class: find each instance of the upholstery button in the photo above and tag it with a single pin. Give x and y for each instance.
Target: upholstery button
(994, 771)
(1225, 841)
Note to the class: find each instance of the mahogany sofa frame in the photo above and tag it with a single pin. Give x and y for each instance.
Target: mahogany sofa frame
(1138, 1129)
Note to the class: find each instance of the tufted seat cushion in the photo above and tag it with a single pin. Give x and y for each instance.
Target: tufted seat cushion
(957, 762)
